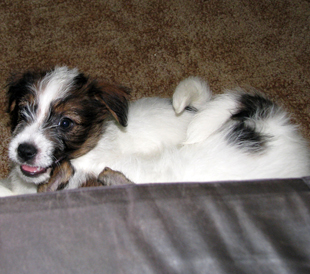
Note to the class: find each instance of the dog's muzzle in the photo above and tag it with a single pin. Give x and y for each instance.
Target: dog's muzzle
(26, 153)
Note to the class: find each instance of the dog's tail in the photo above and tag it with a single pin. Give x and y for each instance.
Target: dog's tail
(191, 93)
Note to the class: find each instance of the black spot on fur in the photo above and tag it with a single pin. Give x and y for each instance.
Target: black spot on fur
(253, 106)
(243, 131)
(246, 137)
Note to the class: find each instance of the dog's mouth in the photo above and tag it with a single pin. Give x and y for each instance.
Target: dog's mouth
(32, 171)
(36, 171)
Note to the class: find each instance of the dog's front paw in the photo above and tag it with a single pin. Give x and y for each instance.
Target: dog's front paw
(109, 177)
(59, 178)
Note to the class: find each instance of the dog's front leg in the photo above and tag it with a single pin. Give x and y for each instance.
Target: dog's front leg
(59, 178)
(109, 177)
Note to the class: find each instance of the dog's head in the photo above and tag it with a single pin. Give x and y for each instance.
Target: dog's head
(59, 114)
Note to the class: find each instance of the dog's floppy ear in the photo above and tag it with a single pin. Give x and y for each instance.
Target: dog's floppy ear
(12, 108)
(17, 88)
(115, 98)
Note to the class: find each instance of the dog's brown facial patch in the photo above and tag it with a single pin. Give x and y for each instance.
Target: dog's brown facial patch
(78, 119)
(77, 122)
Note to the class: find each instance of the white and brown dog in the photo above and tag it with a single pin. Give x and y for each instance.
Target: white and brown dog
(67, 129)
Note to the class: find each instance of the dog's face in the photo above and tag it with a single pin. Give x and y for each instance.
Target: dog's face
(57, 115)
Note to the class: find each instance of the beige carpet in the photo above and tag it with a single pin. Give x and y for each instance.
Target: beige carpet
(150, 46)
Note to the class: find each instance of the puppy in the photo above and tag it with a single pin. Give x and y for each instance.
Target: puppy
(68, 128)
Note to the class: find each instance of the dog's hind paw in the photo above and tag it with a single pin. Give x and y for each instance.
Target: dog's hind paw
(191, 93)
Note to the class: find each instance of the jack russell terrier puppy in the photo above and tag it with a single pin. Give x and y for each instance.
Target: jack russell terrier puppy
(70, 131)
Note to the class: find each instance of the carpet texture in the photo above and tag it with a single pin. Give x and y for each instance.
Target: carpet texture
(150, 46)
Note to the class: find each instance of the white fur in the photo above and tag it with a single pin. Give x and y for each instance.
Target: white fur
(53, 86)
(169, 144)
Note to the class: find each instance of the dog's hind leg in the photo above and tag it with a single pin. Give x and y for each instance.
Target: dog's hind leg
(191, 93)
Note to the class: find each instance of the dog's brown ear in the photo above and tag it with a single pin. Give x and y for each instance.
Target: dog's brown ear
(12, 100)
(17, 88)
(12, 109)
(115, 98)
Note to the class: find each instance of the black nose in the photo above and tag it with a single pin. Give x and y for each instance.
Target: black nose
(26, 151)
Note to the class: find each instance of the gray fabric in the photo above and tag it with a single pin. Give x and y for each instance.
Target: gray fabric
(238, 227)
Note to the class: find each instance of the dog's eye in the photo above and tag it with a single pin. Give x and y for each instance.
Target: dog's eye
(24, 113)
(65, 123)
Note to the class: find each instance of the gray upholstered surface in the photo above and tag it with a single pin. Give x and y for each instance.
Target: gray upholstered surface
(244, 227)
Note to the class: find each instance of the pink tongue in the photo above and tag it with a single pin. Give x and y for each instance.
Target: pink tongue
(32, 169)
